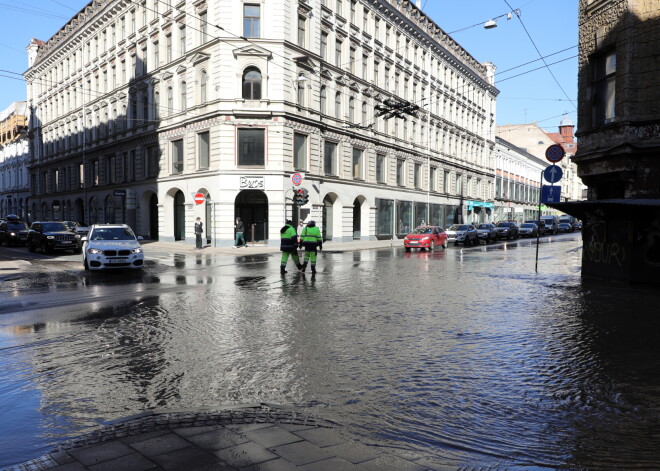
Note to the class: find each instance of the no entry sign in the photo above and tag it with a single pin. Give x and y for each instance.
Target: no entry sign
(199, 198)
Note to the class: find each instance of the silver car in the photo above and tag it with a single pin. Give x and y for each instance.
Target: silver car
(462, 234)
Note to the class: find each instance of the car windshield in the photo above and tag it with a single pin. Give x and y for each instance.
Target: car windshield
(54, 227)
(504, 224)
(458, 227)
(422, 230)
(484, 226)
(113, 233)
(16, 226)
(530, 226)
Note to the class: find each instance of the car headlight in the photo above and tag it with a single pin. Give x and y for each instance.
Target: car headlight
(50, 237)
(12, 234)
(137, 250)
(92, 250)
(77, 236)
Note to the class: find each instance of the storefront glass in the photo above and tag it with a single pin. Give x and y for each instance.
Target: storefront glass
(437, 215)
(384, 218)
(404, 211)
(420, 214)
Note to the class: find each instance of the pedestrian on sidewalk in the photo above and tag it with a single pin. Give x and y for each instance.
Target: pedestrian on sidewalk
(199, 230)
(311, 239)
(289, 246)
(239, 229)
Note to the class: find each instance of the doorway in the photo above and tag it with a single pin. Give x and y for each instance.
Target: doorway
(252, 207)
(179, 216)
(327, 218)
(357, 218)
(153, 217)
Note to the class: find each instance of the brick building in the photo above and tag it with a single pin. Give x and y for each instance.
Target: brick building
(619, 134)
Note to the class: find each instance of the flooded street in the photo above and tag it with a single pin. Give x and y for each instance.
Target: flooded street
(465, 353)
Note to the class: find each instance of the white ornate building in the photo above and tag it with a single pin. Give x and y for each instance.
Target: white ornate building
(14, 160)
(140, 105)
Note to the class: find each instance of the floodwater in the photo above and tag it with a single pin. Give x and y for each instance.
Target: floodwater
(466, 354)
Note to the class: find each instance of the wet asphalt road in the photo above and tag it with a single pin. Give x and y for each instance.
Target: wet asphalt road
(467, 352)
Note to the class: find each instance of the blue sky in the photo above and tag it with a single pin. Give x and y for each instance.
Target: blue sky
(531, 96)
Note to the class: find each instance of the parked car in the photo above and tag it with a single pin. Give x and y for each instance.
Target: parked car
(578, 225)
(528, 229)
(52, 235)
(487, 232)
(76, 227)
(551, 224)
(13, 231)
(540, 224)
(462, 234)
(565, 227)
(507, 230)
(426, 237)
(111, 246)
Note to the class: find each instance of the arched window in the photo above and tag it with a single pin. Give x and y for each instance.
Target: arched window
(252, 84)
(170, 101)
(156, 104)
(183, 96)
(338, 105)
(202, 86)
(145, 106)
(351, 110)
(324, 99)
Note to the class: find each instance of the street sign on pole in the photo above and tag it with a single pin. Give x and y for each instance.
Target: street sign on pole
(555, 153)
(297, 178)
(199, 198)
(553, 173)
(550, 194)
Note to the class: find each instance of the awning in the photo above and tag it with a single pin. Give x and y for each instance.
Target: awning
(479, 204)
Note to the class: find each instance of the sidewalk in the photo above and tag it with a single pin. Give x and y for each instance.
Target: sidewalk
(253, 249)
(257, 437)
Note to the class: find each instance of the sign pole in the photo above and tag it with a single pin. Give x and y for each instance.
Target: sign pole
(538, 229)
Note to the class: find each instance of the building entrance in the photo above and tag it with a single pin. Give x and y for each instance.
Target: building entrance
(179, 216)
(252, 207)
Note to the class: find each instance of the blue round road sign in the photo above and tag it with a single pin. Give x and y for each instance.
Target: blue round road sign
(555, 153)
(296, 179)
(553, 173)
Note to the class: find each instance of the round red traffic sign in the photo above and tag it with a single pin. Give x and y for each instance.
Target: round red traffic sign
(555, 153)
(199, 198)
(296, 178)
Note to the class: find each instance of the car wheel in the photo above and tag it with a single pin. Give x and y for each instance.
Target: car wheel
(44, 248)
(30, 247)
(77, 251)
(445, 244)
(85, 263)
(432, 246)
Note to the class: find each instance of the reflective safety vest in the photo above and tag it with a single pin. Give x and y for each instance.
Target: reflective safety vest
(288, 239)
(311, 237)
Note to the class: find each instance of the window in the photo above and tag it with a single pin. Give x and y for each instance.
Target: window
(364, 114)
(351, 60)
(459, 185)
(330, 158)
(183, 96)
(324, 100)
(81, 175)
(603, 88)
(251, 147)
(338, 7)
(300, 84)
(380, 168)
(251, 20)
(202, 86)
(110, 170)
(338, 44)
(445, 181)
(203, 27)
(156, 55)
(95, 173)
(203, 149)
(357, 163)
(351, 110)
(299, 151)
(177, 156)
(338, 105)
(302, 27)
(145, 66)
(252, 84)
(400, 163)
(324, 46)
(168, 47)
(182, 40)
(432, 177)
(156, 113)
(418, 176)
(170, 101)
(153, 157)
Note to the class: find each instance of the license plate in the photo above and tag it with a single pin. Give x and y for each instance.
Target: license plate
(118, 260)
(65, 241)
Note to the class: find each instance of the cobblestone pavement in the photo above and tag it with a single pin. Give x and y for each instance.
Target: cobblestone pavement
(253, 438)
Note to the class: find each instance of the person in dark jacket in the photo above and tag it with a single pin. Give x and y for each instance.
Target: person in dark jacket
(239, 229)
(311, 239)
(199, 230)
(289, 245)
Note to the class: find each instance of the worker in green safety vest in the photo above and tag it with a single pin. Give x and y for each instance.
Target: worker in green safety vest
(289, 246)
(310, 239)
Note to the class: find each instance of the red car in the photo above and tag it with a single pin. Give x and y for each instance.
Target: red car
(426, 237)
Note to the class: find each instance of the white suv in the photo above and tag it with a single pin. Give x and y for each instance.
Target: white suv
(111, 246)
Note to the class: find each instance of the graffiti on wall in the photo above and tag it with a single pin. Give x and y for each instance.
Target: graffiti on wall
(597, 246)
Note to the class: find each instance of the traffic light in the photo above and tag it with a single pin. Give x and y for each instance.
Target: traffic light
(300, 196)
(304, 196)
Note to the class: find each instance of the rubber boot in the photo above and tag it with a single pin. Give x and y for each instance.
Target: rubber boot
(314, 269)
(282, 270)
(300, 266)
(304, 266)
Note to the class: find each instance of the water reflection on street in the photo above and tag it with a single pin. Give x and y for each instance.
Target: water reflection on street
(467, 354)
